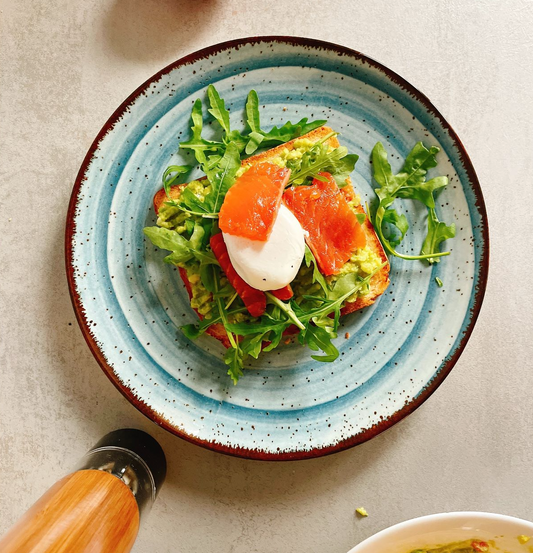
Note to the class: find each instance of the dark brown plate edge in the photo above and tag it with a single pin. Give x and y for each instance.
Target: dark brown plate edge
(367, 434)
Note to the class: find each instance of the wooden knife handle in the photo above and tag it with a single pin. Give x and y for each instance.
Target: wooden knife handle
(89, 511)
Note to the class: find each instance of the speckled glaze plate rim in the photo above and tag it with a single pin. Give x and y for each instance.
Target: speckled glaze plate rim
(386, 423)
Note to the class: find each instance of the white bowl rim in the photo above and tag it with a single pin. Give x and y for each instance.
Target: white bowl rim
(439, 517)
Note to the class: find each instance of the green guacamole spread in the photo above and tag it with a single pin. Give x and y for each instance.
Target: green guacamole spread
(363, 261)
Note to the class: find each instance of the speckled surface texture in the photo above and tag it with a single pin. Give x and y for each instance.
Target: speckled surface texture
(64, 67)
(131, 305)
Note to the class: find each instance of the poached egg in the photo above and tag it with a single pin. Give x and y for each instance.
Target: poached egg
(272, 264)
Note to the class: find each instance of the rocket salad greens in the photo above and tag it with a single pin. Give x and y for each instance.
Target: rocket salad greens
(191, 220)
(409, 183)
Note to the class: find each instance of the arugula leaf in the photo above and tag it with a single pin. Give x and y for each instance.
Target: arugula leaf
(193, 331)
(342, 168)
(253, 345)
(413, 172)
(317, 326)
(196, 143)
(328, 319)
(189, 226)
(392, 217)
(417, 163)
(252, 112)
(207, 276)
(221, 160)
(205, 257)
(409, 183)
(289, 131)
(319, 159)
(437, 233)
(277, 135)
(178, 257)
(345, 287)
(218, 108)
(195, 241)
(171, 240)
(235, 137)
(234, 357)
(224, 292)
(269, 328)
(188, 201)
(212, 161)
(235, 361)
(286, 307)
(222, 177)
(219, 111)
(275, 336)
(171, 175)
(183, 250)
(264, 325)
(317, 275)
(254, 142)
(424, 192)
(319, 339)
(319, 335)
(382, 172)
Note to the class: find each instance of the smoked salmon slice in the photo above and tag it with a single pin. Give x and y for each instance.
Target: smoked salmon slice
(254, 300)
(251, 205)
(334, 231)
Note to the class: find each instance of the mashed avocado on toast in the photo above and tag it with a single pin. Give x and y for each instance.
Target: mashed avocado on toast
(362, 263)
(332, 260)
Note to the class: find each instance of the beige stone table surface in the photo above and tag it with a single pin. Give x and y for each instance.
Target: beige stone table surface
(65, 65)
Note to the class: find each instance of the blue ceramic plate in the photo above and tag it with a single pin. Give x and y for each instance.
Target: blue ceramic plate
(130, 305)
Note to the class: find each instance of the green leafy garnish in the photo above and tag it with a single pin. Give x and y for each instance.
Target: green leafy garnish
(318, 325)
(171, 176)
(437, 233)
(234, 356)
(439, 282)
(318, 338)
(253, 119)
(193, 331)
(218, 108)
(317, 275)
(196, 143)
(288, 132)
(222, 176)
(258, 137)
(183, 250)
(397, 221)
(189, 222)
(220, 160)
(287, 309)
(409, 183)
(321, 158)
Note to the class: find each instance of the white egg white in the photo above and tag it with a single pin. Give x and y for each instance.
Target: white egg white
(272, 264)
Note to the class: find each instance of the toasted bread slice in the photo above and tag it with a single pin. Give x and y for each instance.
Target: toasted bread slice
(379, 281)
